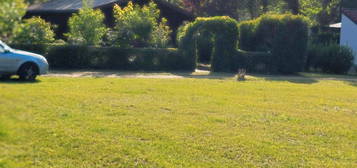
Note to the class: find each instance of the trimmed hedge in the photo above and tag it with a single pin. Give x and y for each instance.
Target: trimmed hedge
(331, 58)
(83, 57)
(35, 48)
(225, 41)
(285, 36)
(253, 62)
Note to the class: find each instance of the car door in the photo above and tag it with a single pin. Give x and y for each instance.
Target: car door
(7, 61)
(2, 59)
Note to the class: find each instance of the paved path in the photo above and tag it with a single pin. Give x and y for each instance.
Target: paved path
(200, 74)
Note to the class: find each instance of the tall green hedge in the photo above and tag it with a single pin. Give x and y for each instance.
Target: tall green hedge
(225, 41)
(284, 36)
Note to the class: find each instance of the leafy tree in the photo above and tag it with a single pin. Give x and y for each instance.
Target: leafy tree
(11, 12)
(35, 31)
(87, 27)
(320, 12)
(161, 34)
(138, 26)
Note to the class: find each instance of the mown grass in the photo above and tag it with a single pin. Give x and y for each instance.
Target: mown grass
(112, 123)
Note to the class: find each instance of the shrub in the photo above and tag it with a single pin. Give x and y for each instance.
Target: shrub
(225, 41)
(35, 31)
(11, 13)
(247, 35)
(290, 45)
(35, 48)
(87, 27)
(76, 57)
(330, 58)
(285, 36)
(138, 26)
(325, 38)
(257, 62)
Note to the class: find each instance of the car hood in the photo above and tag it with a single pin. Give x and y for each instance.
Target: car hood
(25, 53)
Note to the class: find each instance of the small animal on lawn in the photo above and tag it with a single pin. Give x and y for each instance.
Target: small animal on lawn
(241, 74)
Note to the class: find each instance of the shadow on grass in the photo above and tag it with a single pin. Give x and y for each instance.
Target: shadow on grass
(18, 81)
(298, 79)
(352, 83)
(210, 75)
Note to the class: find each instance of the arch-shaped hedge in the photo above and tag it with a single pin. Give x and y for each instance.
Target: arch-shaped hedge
(225, 33)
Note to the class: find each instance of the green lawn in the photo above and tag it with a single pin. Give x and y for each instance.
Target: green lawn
(112, 123)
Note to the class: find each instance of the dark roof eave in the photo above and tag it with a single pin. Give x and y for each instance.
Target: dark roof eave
(346, 11)
(68, 11)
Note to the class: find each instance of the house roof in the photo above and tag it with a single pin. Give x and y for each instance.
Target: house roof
(67, 5)
(70, 6)
(351, 14)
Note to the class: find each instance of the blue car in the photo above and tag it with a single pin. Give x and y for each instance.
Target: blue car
(24, 64)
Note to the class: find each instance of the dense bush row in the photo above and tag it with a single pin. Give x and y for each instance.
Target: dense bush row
(330, 58)
(75, 57)
(284, 36)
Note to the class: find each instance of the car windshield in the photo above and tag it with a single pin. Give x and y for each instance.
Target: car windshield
(4, 46)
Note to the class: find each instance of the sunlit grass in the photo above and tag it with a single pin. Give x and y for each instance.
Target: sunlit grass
(111, 123)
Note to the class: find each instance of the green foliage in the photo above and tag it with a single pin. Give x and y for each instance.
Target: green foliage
(253, 62)
(76, 57)
(138, 26)
(35, 48)
(35, 31)
(324, 38)
(247, 35)
(321, 12)
(87, 27)
(11, 13)
(225, 41)
(285, 36)
(330, 58)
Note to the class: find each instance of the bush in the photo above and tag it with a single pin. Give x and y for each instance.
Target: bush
(247, 35)
(325, 38)
(285, 36)
(41, 49)
(11, 13)
(253, 62)
(330, 58)
(225, 41)
(138, 26)
(76, 57)
(35, 31)
(87, 27)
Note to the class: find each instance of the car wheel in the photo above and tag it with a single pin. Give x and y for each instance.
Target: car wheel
(5, 77)
(28, 72)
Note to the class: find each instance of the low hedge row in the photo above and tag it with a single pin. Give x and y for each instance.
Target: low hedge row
(83, 57)
(331, 58)
(253, 62)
